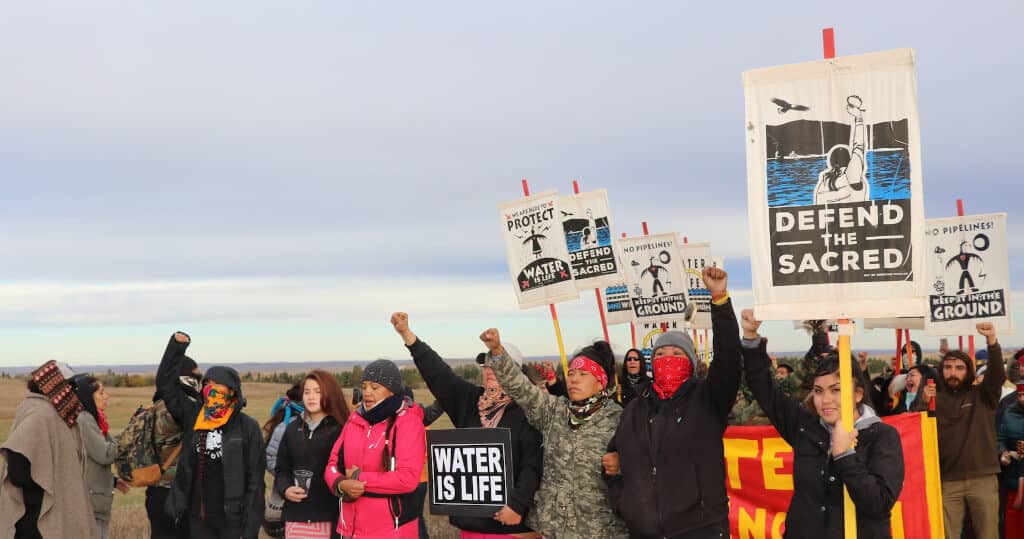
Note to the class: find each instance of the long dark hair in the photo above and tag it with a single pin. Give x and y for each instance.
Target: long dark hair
(332, 397)
(838, 160)
(293, 394)
(85, 385)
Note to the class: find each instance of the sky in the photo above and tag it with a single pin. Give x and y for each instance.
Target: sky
(277, 179)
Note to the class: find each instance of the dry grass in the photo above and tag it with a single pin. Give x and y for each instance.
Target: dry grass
(129, 519)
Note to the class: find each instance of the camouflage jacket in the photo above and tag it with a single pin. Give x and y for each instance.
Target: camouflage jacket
(167, 433)
(572, 501)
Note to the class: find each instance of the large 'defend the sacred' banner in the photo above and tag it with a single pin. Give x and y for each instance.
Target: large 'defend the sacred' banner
(759, 471)
(968, 273)
(535, 248)
(469, 471)
(653, 271)
(834, 188)
(588, 235)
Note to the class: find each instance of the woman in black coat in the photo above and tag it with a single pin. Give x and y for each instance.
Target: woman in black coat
(633, 376)
(310, 509)
(471, 406)
(218, 488)
(868, 460)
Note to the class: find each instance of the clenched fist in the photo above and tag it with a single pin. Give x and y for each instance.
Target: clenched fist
(989, 331)
(492, 340)
(182, 337)
(717, 280)
(400, 321)
(750, 324)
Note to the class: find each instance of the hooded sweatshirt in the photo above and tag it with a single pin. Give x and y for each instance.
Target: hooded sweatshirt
(221, 469)
(966, 423)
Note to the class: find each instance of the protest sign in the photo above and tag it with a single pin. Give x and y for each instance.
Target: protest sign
(470, 471)
(617, 306)
(834, 188)
(697, 256)
(906, 322)
(588, 236)
(654, 274)
(536, 252)
(968, 274)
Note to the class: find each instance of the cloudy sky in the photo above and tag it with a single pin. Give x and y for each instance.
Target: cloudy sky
(276, 179)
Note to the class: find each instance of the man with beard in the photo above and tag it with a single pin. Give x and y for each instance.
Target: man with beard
(968, 454)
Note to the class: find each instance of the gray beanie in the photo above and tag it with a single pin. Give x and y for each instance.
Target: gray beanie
(384, 372)
(678, 339)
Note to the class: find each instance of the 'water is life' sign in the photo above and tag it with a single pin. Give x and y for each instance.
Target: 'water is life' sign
(470, 471)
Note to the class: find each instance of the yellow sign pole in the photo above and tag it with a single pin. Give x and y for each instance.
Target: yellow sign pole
(846, 389)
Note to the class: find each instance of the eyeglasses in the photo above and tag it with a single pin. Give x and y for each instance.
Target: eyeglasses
(632, 358)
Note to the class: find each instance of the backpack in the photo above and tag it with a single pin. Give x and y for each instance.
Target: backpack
(148, 446)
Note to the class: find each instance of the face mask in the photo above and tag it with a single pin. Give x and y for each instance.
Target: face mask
(216, 401)
(670, 372)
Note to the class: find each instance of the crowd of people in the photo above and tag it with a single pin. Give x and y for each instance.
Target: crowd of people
(629, 447)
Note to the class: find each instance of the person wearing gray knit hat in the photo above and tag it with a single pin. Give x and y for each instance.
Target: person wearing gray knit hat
(384, 373)
(678, 339)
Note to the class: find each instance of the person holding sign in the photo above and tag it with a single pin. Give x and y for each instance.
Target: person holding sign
(471, 406)
(665, 461)
(571, 502)
(376, 463)
(968, 453)
(867, 461)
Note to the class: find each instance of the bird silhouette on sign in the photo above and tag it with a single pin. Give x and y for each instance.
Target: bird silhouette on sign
(785, 106)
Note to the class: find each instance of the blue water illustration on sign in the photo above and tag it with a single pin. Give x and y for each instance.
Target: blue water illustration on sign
(575, 239)
(791, 181)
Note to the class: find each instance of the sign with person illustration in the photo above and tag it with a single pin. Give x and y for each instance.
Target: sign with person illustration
(654, 274)
(470, 471)
(968, 274)
(536, 252)
(834, 188)
(586, 222)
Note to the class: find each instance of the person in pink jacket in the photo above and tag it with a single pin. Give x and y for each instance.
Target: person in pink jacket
(376, 463)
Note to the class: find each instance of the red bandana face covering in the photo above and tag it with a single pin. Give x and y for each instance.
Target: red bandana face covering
(583, 363)
(670, 372)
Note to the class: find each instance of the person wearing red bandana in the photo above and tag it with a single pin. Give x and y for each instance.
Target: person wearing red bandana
(664, 464)
(571, 501)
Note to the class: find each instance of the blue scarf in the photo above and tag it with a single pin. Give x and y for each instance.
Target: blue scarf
(289, 408)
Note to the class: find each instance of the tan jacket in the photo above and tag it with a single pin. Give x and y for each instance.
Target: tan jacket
(57, 454)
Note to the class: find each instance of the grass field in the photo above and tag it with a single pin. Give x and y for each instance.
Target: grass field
(129, 515)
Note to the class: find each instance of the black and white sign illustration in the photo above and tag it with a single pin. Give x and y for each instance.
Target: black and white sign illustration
(968, 274)
(834, 190)
(470, 471)
(537, 256)
(696, 257)
(618, 308)
(586, 221)
(654, 274)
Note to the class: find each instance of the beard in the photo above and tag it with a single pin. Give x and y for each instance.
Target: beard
(953, 383)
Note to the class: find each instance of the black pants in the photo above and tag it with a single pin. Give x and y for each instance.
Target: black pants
(199, 530)
(161, 525)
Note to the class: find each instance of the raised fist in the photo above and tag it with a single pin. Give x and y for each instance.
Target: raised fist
(717, 280)
(400, 321)
(492, 340)
(182, 337)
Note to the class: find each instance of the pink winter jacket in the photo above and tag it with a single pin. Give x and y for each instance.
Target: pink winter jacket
(370, 517)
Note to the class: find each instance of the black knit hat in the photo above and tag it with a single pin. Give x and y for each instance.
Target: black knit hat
(385, 373)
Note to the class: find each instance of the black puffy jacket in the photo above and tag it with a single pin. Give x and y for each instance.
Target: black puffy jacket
(873, 475)
(244, 457)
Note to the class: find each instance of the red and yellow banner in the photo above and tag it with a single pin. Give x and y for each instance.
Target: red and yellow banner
(759, 477)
